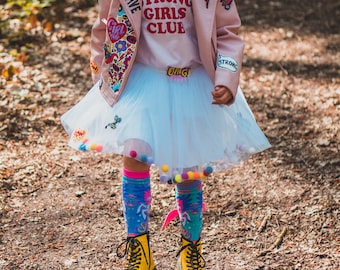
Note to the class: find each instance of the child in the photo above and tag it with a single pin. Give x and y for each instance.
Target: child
(166, 76)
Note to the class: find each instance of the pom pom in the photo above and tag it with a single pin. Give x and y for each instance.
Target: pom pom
(143, 158)
(99, 148)
(209, 169)
(133, 154)
(93, 147)
(178, 178)
(190, 175)
(165, 168)
(82, 147)
(196, 175)
(163, 178)
(185, 176)
(149, 160)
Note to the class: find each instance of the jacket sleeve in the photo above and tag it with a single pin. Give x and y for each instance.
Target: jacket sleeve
(230, 47)
(98, 35)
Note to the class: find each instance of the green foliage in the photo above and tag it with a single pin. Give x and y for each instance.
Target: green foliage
(21, 20)
(26, 8)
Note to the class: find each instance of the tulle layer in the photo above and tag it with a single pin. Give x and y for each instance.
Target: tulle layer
(168, 122)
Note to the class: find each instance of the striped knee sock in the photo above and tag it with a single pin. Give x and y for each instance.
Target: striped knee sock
(136, 196)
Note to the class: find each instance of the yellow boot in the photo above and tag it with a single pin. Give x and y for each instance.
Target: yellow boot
(190, 256)
(138, 253)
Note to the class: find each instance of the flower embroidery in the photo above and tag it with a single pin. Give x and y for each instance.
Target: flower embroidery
(120, 46)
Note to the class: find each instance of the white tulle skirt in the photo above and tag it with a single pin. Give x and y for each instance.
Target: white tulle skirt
(168, 123)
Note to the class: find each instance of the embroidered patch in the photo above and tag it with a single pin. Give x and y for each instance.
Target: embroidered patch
(113, 125)
(94, 67)
(119, 52)
(178, 73)
(226, 4)
(78, 134)
(116, 30)
(227, 62)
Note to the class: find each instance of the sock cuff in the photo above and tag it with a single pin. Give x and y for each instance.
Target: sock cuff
(136, 175)
(189, 185)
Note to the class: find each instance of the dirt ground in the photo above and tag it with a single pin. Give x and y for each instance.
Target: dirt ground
(61, 209)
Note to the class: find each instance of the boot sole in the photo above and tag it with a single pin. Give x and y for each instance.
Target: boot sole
(179, 267)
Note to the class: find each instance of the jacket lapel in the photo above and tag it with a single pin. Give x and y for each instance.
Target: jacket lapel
(133, 9)
(204, 17)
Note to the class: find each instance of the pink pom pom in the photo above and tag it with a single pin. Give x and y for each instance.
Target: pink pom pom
(133, 153)
(185, 176)
(99, 148)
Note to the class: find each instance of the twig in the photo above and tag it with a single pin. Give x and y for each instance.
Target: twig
(276, 244)
(31, 191)
(264, 222)
(60, 165)
(285, 71)
(285, 132)
(3, 128)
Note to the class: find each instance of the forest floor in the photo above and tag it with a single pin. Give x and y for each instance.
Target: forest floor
(61, 209)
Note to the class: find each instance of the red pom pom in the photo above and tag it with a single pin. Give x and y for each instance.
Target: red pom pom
(197, 175)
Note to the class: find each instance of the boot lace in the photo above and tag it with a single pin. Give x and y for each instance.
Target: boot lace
(134, 250)
(194, 259)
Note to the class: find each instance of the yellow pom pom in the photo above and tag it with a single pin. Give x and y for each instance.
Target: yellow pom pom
(191, 175)
(178, 178)
(165, 168)
(93, 147)
(202, 176)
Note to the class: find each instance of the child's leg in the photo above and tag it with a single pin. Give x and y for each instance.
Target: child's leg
(136, 197)
(190, 202)
(190, 207)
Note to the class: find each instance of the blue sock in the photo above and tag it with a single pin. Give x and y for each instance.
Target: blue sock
(189, 199)
(136, 196)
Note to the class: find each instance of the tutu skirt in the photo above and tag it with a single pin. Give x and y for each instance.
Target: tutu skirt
(168, 123)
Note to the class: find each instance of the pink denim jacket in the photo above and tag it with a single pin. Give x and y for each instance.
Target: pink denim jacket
(116, 33)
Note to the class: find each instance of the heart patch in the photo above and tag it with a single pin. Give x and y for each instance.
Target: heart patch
(116, 30)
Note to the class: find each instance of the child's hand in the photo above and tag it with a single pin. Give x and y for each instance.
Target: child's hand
(221, 95)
